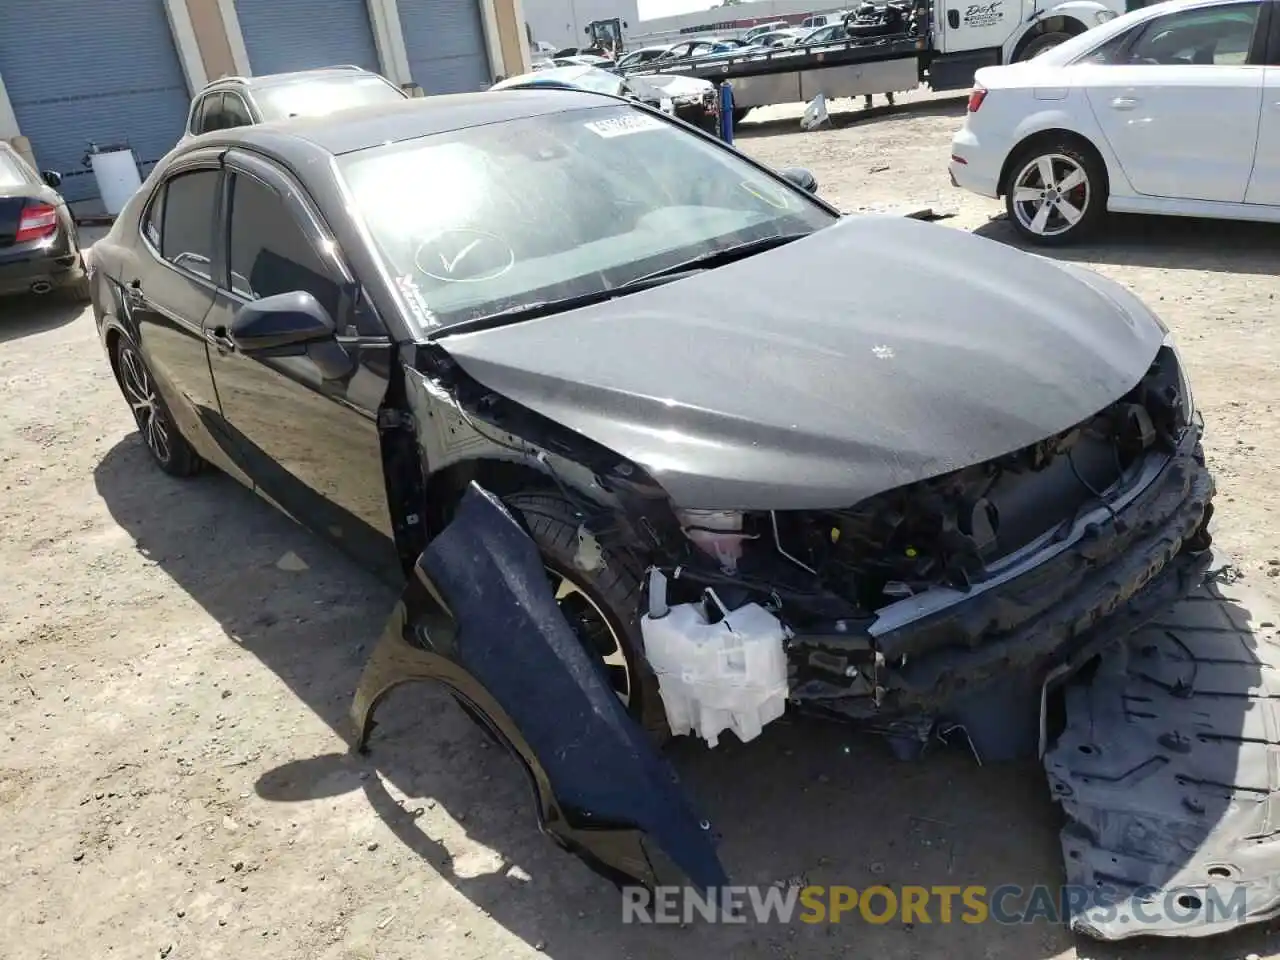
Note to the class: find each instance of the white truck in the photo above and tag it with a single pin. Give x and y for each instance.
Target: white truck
(902, 45)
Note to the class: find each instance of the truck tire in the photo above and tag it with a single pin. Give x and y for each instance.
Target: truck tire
(1039, 44)
(1075, 195)
(601, 605)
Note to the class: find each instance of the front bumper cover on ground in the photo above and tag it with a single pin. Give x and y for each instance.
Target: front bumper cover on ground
(1167, 772)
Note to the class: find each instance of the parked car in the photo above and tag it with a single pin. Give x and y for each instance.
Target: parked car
(829, 33)
(240, 101)
(39, 244)
(642, 57)
(643, 342)
(823, 19)
(693, 99)
(583, 60)
(753, 35)
(595, 80)
(786, 37)
(1164, 110)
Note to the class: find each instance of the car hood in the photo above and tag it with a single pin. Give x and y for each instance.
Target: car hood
(875, 353)
(674, 85)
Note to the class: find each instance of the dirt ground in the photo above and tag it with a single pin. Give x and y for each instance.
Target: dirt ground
(177, 660)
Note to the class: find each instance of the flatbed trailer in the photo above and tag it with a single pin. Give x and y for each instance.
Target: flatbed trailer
(943, 55)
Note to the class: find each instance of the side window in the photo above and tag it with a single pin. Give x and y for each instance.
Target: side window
(190, 210)
(1218, 36)
(236, 111)
(211, 114)
(155, 218)
(269, 253)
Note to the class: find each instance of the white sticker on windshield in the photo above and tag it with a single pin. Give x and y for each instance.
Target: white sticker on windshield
(417, 302)
(622, 126)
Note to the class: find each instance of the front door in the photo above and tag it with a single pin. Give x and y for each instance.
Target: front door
(1180, 101)
(303, 428)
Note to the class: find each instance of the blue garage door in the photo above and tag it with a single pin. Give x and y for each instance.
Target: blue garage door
(445, 43)
(79, 72)
(285, 35)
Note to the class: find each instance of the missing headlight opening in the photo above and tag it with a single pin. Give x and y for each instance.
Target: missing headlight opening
(895, 606)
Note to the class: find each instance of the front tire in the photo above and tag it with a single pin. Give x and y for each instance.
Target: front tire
(601, 605)
(1056, 192)
(1041, 44)
(167, 446)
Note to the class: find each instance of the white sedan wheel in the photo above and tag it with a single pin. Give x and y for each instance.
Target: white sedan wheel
(1051, 195)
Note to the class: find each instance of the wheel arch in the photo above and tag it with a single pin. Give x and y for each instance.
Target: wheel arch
(501, 477)
(1048, 135)
(1065, 22)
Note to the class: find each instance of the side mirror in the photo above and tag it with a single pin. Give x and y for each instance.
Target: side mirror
(586, 29)
(291, 320)
(283, 320)
(802, 178)
(52, 177)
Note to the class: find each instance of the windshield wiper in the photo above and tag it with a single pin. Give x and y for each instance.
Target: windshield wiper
(714, 258)
(542, 308)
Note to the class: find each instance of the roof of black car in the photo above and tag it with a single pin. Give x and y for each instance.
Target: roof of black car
(374, 125)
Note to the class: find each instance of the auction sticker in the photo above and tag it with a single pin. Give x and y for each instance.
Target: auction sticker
(624, 125)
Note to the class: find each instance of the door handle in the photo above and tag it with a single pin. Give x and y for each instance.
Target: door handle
(134, 292)
(219, 339)
(1124, 103)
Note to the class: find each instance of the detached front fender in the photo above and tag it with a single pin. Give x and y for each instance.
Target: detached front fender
(478, 615)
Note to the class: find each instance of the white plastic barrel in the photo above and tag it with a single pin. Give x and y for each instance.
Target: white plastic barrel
(116, 171)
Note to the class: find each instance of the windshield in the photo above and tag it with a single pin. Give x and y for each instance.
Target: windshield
(314, 98)
(496, 217)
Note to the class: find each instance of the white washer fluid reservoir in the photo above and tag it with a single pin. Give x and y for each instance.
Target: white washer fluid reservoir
(726, 675)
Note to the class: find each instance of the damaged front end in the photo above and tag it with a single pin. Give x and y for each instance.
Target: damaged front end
(947, 603)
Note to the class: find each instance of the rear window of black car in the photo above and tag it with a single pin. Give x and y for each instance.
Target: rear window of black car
(12, 171)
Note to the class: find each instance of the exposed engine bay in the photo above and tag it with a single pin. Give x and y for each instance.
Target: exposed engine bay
(858, 592)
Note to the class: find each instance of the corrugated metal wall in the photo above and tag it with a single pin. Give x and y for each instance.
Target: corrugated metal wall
(285, 35)
(105, 72)
(446, 45)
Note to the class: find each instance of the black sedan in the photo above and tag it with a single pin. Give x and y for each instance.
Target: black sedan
(39, 245)
(593, 384)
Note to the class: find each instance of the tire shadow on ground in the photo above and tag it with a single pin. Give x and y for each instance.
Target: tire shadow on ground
(1177, 243)
(28, 314)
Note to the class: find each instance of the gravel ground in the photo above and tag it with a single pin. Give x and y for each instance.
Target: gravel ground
(177, 660)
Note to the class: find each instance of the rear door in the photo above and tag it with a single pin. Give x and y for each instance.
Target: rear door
(168, 287)
(1264, 183)
(479, 616)
(1180, 102)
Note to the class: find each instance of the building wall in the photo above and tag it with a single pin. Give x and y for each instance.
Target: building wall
(209, 44)
(562, 22)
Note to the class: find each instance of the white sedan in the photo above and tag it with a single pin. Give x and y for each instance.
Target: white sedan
(1169, 109)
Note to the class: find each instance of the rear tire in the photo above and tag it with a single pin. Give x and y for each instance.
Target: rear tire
(601, 606)
(1064, 175)
(166, 444)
